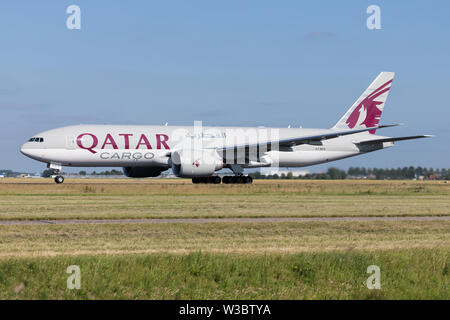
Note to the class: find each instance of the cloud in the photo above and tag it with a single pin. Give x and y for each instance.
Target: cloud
(318, 35)
(8, 106)
(58, 119)
(27, 113)
(272, 103)
(9, 91)
(77, 118)
(212, 113)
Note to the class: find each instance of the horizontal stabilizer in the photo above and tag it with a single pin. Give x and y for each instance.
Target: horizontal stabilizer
(394, 139)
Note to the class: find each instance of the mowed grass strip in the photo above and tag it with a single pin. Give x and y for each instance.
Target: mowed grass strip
(185, 186)
(405, 274)
(230, 237)
(170, 206)
(174, 198)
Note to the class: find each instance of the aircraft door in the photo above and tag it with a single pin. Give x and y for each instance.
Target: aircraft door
(70, 142)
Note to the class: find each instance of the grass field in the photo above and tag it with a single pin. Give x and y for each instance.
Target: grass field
(223, 237)
(405, 274)
(238, 260)
(177, 198)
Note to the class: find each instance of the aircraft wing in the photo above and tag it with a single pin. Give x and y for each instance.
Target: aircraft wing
(303, 139)
(393, 139)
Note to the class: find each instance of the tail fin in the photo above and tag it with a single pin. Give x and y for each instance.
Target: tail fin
(366, 111)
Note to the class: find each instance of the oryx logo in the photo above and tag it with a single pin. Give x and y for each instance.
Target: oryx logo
(196, 163)
(367, 112)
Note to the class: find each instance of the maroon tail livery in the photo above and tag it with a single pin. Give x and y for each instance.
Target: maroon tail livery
(366, 111)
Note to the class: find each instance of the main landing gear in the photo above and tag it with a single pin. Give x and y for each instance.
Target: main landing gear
(225, 180)
(214, 180)
(237, 179)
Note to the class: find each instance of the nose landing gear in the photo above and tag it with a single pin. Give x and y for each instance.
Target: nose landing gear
(56, 169)
(59, 179)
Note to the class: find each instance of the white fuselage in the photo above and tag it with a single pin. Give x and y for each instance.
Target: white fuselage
(198, 152)
(147, 146)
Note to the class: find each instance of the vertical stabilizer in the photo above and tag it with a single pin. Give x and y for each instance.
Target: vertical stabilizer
(366, 111)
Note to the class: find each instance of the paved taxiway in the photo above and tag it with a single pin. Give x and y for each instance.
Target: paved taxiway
(216, 220)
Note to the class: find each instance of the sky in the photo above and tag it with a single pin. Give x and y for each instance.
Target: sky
(235, 63)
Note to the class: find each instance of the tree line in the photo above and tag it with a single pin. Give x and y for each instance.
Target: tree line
(112, 172)
(332, 173)
(9, 173)
(51, 172)
(367, 173)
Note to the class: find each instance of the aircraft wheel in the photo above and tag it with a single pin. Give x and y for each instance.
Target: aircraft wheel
(59, 179)
(195, 180)
(237, 179)
(216, 180)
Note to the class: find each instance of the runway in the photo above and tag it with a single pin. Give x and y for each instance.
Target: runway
(220, 220)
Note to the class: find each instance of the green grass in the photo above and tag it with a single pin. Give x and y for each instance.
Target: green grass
(405, 274)
(229, 260)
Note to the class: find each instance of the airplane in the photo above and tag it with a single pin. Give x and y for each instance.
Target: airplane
(198, 152)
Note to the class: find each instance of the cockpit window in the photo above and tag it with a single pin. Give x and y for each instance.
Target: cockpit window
(36, 140)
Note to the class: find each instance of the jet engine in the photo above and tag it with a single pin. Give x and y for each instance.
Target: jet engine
(143, 172)
(193, 163)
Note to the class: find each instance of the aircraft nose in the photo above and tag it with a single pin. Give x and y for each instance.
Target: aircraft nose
(23, 149)
(30, 150)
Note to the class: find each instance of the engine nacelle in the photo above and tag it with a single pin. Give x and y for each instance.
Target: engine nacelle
(143, 172)
(192, 164)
